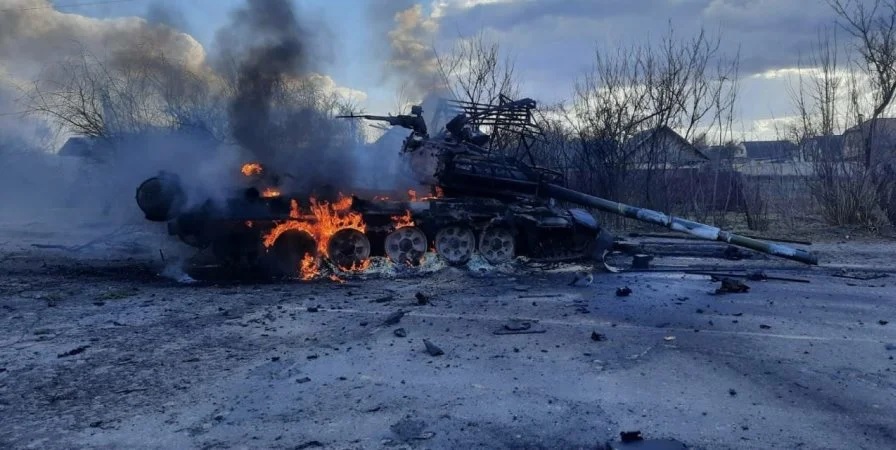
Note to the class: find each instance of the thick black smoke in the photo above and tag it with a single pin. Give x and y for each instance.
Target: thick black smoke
(276, 52)
(281, 114)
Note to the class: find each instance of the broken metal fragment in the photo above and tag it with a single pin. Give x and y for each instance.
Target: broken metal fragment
(732, 286)
(597, 337)
(432, 349)
(400, 332)
(623, 292)
(518, 327)
(393, 318)
(73, 351)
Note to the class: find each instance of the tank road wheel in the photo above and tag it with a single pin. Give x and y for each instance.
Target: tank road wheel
(406, 245)
(455, 244)
(348, 247)
(289, 250)
(497, 245)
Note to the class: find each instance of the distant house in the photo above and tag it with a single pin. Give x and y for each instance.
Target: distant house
(824, 147)
(725, 152)
(771, 150)
(85, 147)
(662, 146)
(880, 133)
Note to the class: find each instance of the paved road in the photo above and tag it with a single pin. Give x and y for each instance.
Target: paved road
(787, 365)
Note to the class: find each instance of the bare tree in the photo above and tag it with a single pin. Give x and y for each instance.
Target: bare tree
(873, 27)
(476, 71)
(683, 85)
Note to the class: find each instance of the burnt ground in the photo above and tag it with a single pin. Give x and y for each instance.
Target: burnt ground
(100, 352)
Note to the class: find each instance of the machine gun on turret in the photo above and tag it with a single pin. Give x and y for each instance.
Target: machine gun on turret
(413, 121)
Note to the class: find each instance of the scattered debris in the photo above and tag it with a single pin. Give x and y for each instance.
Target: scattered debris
(732, 392)
(275, 358)
(863, 276)
(421, 298)
(623, 292)
(765, 327)
(669, 338)
(96, 424)
(400, 332)
(432, 349)
(753, 276)
(313, 309)
(598, 337)
(883, 322)
(393, 318)
(518, 327)
(73, 351)
(303, 380)
(890, 346)
(312, 356)
(732, 286)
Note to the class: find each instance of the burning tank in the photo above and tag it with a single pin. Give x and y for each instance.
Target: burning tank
(480, 201)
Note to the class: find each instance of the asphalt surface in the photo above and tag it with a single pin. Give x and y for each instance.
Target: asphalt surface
(106, 354)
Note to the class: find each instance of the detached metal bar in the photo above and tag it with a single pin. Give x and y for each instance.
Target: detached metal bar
(697, 229)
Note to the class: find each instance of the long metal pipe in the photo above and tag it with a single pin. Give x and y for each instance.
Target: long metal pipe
(697, 229)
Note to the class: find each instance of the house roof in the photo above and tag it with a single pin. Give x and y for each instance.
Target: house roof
(640, 138)
(770, 149)
(885, 123)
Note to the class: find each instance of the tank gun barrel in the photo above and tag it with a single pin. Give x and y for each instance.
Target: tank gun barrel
(697, 229)
(391, 119)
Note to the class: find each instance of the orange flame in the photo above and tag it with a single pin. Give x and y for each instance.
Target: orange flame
(308, 269)
(270, 192)
(439, 193)
(250, 169)
(403, 221)
(327, 220)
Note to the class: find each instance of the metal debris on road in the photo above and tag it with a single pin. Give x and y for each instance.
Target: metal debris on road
(519, 327)
(400, 332)
(882, 322)
(393, 318)
(765, 327)
(73, 351)
(598, 337)
(432, 349)
(623, 292)
(732, 286)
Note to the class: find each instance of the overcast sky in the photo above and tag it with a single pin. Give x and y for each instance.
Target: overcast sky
(553, 41)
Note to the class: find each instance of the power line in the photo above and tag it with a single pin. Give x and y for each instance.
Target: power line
(70, 5)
